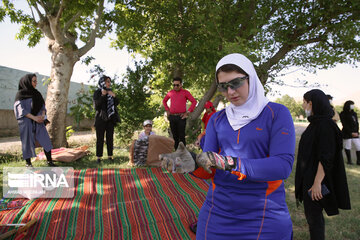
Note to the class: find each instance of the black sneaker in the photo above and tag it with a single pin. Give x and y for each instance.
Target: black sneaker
(29, 165)
(98, 160)
(51, 164)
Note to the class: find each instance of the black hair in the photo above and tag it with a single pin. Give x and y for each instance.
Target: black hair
(329, 96)
(230, 68)
(347, 104)
(177, 79)
(320, 102)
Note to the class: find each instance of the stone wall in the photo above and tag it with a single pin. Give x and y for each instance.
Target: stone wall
(9, 126)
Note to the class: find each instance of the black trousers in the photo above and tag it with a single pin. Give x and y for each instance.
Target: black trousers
(101, 129)
(314, 218)
(177, 126)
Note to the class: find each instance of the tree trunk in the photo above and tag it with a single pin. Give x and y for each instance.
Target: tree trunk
(63, 61)
(200, 107)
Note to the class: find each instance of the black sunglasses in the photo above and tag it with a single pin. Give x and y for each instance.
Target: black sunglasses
(233, 84)
(176, 85)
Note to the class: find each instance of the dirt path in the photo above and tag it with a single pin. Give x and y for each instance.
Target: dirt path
(13, 144)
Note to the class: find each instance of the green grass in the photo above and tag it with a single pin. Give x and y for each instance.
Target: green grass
(344, 226)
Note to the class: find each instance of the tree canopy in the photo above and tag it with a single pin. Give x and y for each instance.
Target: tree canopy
(70, 28)
(186, 38)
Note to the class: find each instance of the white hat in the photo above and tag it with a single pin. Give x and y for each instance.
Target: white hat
(147, 122)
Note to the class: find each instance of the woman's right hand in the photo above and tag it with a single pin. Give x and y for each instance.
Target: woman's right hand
(38, 119)
(103, 92)
(316, 192)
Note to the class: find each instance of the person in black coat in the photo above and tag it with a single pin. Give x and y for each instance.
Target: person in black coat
(320, 179)
(106, 117)
(350, 130)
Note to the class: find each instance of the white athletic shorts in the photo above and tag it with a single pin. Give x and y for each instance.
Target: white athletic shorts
(352, 141)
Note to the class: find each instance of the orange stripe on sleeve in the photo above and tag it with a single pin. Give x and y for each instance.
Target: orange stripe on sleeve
(218, 116)
(240, 175)
(272, 111)
(272, 186)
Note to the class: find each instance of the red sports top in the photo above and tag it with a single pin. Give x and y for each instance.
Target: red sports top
(178, 101)
(206, 117)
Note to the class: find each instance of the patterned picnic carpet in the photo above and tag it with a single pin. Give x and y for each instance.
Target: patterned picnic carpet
(116, 204)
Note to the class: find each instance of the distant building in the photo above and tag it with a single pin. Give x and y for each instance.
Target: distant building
(9, 81)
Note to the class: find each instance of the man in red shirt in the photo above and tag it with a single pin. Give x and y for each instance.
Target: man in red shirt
(177, 112)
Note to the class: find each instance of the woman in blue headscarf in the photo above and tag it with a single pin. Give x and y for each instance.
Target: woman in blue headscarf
(106, 117)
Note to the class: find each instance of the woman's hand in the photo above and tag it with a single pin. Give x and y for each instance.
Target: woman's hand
(111, 93)
(316, 187)
(355, 134)
(207, 160)
(103, 92)
(38, 119)
(316, 192)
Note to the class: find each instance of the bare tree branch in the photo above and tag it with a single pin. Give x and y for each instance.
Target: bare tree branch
(72, 20)
(59, 13)
(44, 6)
(91, 42)
(43, 22)
(37, 10)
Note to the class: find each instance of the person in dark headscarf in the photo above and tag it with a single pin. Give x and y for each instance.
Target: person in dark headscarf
(320, 179)
(336, 116)
(106, 117)
(30, 112)
(350, 130)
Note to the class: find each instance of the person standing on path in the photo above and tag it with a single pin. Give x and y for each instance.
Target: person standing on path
(350, 130)
(106, 117)
(320, 178)
(30, 112)
(177, 112)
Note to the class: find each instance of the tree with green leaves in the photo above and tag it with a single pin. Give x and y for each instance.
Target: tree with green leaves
(294, 107)
(83, 109)
(70, 28)
(186, 38)
(134, 101)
